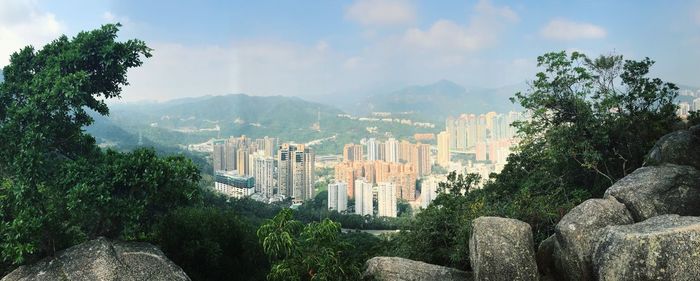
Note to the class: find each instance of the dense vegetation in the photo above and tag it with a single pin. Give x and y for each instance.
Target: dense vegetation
(592, 122)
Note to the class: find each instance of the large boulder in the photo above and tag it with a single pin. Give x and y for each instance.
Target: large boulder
(400, 269)
(661, 248)
(577, 233)
(101, 259)
(680, 147)
(659, 190)
(545, 257)
(502, 249)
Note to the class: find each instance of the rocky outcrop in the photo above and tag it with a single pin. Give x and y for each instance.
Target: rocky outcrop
(502, 249)
(577, 233)
(680, 147)
(545, 257)
(659, 190)
(400, 269)
(661, 248)
(101, 259)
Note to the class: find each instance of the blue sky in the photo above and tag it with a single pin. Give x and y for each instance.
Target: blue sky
(327, 48)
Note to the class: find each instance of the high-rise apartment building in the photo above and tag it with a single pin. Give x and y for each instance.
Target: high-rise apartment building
(219, 155)
(338, 196)
(372, 150)
(443, 147)
(386, 199)
(295, 176)
(392, 150)
(364, 204)
(421, 159)
(352, 152)
(263, 170)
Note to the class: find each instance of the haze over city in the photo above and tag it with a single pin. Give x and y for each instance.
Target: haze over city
(319, 49)
(343, 140)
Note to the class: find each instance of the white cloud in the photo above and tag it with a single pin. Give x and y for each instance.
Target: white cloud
(486, 24)
(23, 23)
(108, 16)
(563, 29)
(381, 12)
(177, 71)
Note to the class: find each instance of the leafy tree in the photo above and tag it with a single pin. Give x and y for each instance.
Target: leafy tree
(211, 243)
(439, 233)
(694, 118)
(311, 252)
(58, 188)
(591, 122)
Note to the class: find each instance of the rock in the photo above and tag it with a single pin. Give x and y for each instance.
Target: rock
(502, 249)
(101, 259)
(392, 268)
(661, 248)
(545, 257)
(659, 190)
(680, 147)
(577, 233)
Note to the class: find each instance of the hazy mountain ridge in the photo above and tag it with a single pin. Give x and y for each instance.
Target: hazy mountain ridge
(443, 98)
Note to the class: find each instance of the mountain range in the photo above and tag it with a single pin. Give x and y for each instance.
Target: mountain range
(443, 98)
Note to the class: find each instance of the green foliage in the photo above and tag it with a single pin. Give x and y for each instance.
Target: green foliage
(694, 118)
(57, 187)
(439, 233)
(306, 252)
(592, 122)
(212, 244)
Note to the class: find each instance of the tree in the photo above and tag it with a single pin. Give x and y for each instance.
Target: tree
(592, 121)
(311, 252)
(211, 243)
(439, 234)
(58, 188)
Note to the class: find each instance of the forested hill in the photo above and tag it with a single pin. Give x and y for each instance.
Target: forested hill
(193, 120)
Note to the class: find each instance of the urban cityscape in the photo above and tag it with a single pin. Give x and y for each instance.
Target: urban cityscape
(384, 140)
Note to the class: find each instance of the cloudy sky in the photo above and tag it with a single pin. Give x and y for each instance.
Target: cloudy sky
(328, 48)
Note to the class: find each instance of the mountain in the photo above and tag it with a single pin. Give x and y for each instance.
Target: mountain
(443, 98)
(192, 120)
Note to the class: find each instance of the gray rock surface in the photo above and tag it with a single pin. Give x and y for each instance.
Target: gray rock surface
(502, 249)
(680, 147)
(659, 190)
(578, 231)
(545, 257)
(101, 259)
(661, 248)
(393, 268)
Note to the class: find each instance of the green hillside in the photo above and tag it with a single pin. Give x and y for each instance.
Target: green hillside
(194, 120)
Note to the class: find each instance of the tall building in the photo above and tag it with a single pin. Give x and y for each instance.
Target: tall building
(219, 155)
(407, 153)
(392, 150)
(295, 176)
(429, 188)
(243, 161)
(364, 204)
(386, 197)
(352, 152)
(264, 173)
(443, 147)
(421, 160)
(372, 150)
(338, 196)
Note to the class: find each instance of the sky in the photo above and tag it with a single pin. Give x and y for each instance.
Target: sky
(333, 48)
